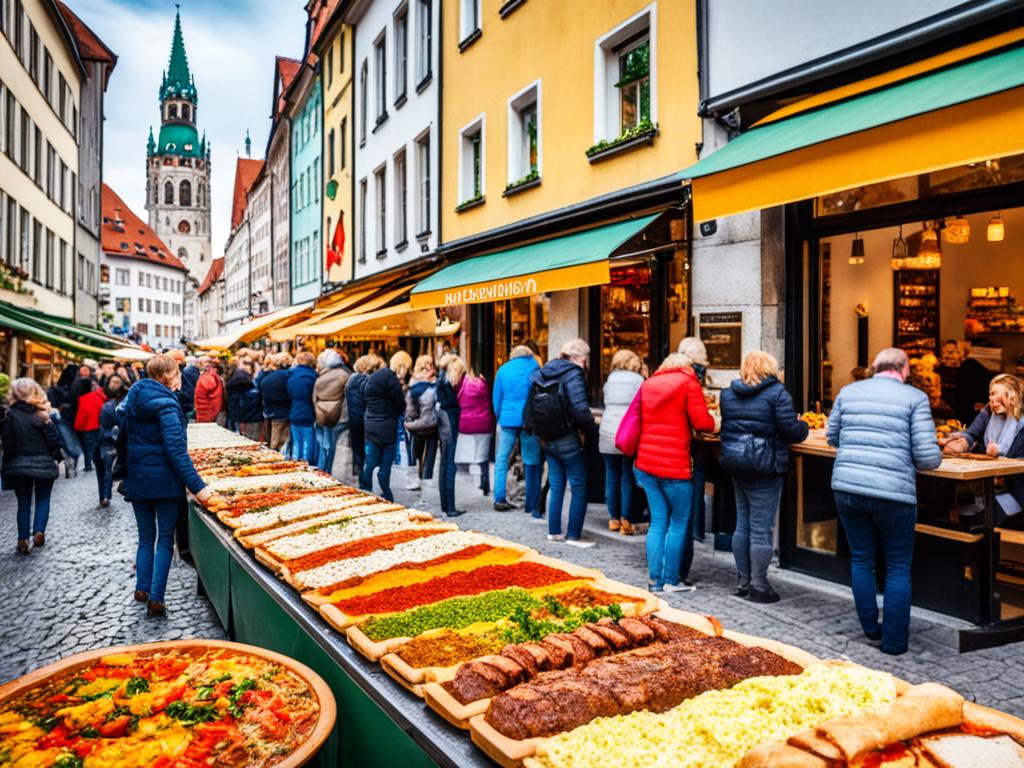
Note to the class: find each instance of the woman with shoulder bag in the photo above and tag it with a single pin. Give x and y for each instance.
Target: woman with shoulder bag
(32, 449)
(421, 420)
(758, 421)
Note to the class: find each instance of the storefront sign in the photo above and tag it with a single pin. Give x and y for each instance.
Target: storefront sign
(722, 334)
(484, 292)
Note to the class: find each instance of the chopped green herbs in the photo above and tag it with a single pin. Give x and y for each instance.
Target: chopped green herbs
(455, 613)
(190, 714)
(136, 685)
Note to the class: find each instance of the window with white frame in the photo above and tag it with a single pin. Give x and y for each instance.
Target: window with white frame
(423, 184)
(401, 200)
(380, 194)
(401, 52)
(364, 101)
(471, 161)
(362, 221)
(380, 77)
(626, 78)
(121, 276)
(470, 18)
(524, 135)
(424, 38)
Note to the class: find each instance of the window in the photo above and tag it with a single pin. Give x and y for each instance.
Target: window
(186, 112)
(330, 153)
(50, 255)
(470, 21)
(424, 38)
(401, 52)
(123, 305)
(37, 157)
(26, 145)
(471, 172)
(330, 66)
(63, 267)
(184, 227)
(626, 87)
(47, 75)
(362, 221)
(51, 169)
(33, 53)
(19, 27)
(634, 84)
(185, 194)
(380, 62)
(401, 200)
(524, 135)
(142, 279)
(23, 260)
(65, 198)
(62, 107)
(343, 142)
(9, 112)
(149, 280)
(168, 193)
(363, 103)
(121, 276)
(172, 111)
(423, 184)
(381, 195)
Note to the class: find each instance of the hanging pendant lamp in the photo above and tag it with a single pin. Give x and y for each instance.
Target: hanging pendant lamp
(857, 250)
(996, 229)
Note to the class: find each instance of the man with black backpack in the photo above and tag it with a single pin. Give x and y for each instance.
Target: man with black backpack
(556, 412)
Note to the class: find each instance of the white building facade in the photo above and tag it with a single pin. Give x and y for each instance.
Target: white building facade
(258, 220)
(396, 77)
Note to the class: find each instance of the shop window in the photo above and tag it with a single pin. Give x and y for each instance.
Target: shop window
(524, 136)
(518, 322)
(401, 53)
(423, 184)
(626, 80)
(626, 314)
(381, 198)
(471, 160)
(401, 200)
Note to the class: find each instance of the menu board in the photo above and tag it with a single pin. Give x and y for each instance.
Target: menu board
(722, 334)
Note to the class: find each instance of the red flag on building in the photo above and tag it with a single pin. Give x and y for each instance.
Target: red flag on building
(337, 246)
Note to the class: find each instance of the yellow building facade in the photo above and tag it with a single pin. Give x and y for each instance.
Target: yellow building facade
(335, 51)
(559, 118)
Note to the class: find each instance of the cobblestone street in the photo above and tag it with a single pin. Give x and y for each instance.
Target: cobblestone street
(76, 593)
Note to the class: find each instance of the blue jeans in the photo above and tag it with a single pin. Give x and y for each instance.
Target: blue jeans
(563, 467)
(867, 520)
(618, 486)
(425, 451)
(156, 520)
(303, 444)
(23, 487)
(446, 472)
(529, 447)
(670, 502)
(69, 441)
(757, 503)
(104, 458)
(357, 441)
(89, 440)
(381, 458)
(327, 444)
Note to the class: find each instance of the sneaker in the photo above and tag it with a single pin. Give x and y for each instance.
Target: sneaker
(503, 506)
(555, 536)
(626, 528)
(763, 596)
(581, 543)
(412, 485)
(742, 591)
(614, 524)
(538, 519)
(679, 588)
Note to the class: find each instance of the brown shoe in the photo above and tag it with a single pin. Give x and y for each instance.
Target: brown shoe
(155, 608)
(104, 503)
(626, 528)
(614, 523)
(23, 547)
(141, 597)
(38, 539)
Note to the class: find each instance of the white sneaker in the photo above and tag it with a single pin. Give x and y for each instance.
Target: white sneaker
(413, 485)
(556, 537)
(679, 588)
(581, 543)
(538, 520)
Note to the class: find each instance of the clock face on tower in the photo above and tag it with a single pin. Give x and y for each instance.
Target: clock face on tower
(184, 227)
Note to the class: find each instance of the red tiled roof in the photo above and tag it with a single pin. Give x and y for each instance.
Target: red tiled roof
(246, 171)
(320, 12)
(216, 270)
(90, 47)
(124, 235)
(285, 73)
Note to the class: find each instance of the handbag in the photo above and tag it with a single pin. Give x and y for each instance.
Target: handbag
(748, 455)
(627, 436)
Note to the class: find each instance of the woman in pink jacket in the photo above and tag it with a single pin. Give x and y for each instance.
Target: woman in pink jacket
(476, 425)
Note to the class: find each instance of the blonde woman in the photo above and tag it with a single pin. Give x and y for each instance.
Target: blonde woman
(450, 379)
(32, 449)
(624, 381)
(385, 403)
(758, 421)
(421, 420)
(999, 429)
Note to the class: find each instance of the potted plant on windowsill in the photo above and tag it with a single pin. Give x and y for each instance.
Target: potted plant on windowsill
(530, 180)
(640, 134)
(470, 203)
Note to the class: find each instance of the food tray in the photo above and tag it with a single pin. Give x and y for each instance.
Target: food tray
(306, 751)
(251, 540)
(458, 714)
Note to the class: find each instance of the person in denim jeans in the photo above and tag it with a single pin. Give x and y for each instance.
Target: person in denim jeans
(451, 375)
(883, 433)
(624, 381)
(384, 404)
(669, 407)
(32, 449)
(564, 453)
(511, 387)
(301, 416)
(106, 450)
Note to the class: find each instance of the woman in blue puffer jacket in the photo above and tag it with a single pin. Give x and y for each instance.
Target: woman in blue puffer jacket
(511, 387)
(758, 420)
(301, 416)
(159, 471)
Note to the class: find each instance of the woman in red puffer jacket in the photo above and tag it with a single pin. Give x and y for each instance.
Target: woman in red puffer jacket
(671, 408)
(476, 425)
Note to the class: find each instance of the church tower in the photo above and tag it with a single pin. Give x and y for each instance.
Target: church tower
(178, 167)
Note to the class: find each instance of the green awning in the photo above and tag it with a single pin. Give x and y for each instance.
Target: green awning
(559, 264)
(60, 325)
(16, 319)
(936, 90)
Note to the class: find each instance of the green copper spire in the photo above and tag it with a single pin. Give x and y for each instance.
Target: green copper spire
(178, 81)
(151, 144)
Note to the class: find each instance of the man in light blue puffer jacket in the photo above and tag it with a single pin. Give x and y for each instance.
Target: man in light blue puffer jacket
(883, 431)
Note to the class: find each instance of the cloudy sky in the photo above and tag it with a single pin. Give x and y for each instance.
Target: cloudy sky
(231, 46)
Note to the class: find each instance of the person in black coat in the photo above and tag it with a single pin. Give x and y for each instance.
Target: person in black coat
(244, 407)
(106, 449)
(355, 389)
(758, 421)
(80, 386)
(58, 395)
(277, 403)
(385, 403)
(32, 449)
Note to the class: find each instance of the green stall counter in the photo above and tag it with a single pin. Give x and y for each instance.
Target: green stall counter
(379, 722)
